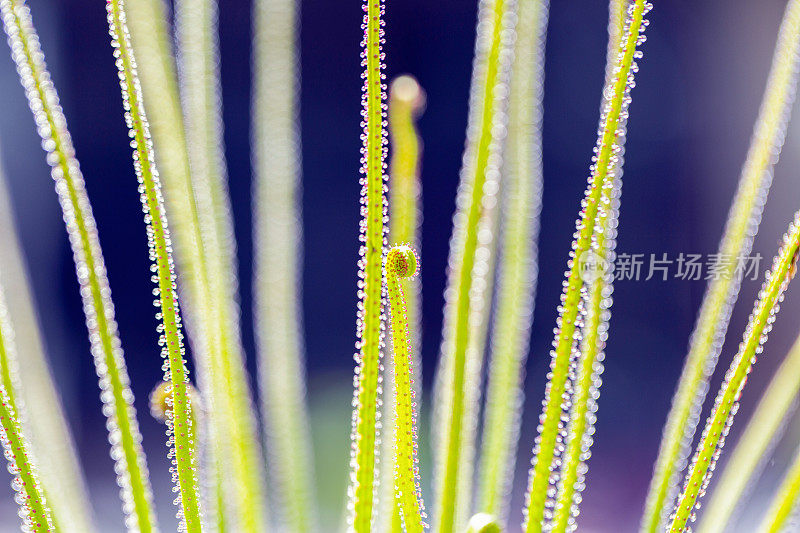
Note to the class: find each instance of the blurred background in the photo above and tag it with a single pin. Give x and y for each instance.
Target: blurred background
(696, 99)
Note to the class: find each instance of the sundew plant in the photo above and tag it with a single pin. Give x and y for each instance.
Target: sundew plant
(462, 419)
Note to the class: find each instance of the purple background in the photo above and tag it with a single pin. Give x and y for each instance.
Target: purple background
(694, 105)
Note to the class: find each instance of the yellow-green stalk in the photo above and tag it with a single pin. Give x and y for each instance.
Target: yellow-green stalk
(784, 504)
(45, 425)
(470, 262)
(587, 384)
(157, 72)
(33, 507)
(277, 238)
(597, 302)
(754, 444)
(741, 227)
(35, 512)
(234, 425)
(361, 491)
(10, 386)
(518, 260)
(161, 408)
(406, 101)
(542, 476)
(131, 468)
(401, 262)
(180, 431)
(727, 402)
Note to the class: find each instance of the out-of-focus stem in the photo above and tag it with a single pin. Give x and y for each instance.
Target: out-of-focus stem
(470, 263)
(234, 427)
(785, 501)
(277, 238)
(727, 401)
(742, 225)
(754, 444)
(157, 71)
(45, 425)
(483, 523)
(518, 260)
(124, 435)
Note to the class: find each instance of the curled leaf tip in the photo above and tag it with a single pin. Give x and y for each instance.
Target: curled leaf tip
(402, 261)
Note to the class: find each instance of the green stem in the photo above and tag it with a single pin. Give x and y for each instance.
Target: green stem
(161, 408)
(741, 227)
(131, 467)
(8, 360)
(518, 262)
(401, 262)
(234, 422)
(156, 66)
(727, 401)
(406, 100)
(36, 513)
(464, 322)
(34, 510)
(586, 389)
(785, 501)
(278, 243)
(45, 424)
(180, 426)
(754, 444)
(552, 425)
(370, 265)
(10, 383)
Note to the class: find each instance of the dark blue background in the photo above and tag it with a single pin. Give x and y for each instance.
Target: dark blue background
(694, 105)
